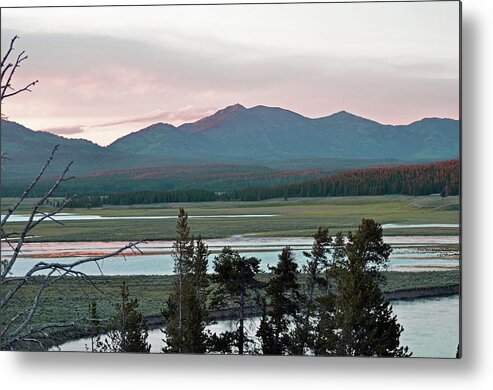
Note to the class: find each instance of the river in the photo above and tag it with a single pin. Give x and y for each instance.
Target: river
(431, 328)
(94, 217)
(410, 253)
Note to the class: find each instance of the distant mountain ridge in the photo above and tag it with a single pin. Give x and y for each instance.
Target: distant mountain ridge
(272, 133)
(263, 137)
(26, 150)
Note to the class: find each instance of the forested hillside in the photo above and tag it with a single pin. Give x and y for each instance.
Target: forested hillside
(440, 177)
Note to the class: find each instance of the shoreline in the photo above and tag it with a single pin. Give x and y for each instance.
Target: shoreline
(388, 233)
(156, 321)
(399, 295)
(422, 293)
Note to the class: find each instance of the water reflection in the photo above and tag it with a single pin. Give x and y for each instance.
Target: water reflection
(431, 328)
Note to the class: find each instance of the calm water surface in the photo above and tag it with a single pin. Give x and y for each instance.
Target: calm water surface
(431, 328)
(410, 253)
(89, 217)
(163, 264)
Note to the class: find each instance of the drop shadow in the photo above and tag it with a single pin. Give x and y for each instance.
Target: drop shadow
(225, 367)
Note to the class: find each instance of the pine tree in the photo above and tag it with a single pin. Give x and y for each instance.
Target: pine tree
(283, 294)
(196, 293)
(317, 262)
(363, 316)
(174, 311)
(237, 286)
(325, 332)
(128, 327)
(366, 249)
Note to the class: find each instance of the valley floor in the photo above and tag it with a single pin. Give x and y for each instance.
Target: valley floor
(433, 215)
(69, 298)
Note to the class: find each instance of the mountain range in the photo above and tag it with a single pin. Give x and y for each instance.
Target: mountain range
(270, 133)
(270, 137)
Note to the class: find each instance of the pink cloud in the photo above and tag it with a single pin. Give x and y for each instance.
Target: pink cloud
(65, 130)
(188, 113)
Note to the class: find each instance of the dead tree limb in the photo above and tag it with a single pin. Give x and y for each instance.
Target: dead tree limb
(8, 70)
(19, 328)
(32, 222)
(6, 340)
(30, 187)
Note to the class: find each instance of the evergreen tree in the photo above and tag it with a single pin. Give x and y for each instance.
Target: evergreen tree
(266, 333)
(196, 293)
(174, 311)
(128, 327)
(222, 343)
(338, 250)
(237, 286)
(325, 333)
(423, 179)
(363, 316)
(366, 250)
(367, 325)
(283, 294)
(317, 263)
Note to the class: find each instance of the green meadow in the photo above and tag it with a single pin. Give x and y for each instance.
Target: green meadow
(293, 217)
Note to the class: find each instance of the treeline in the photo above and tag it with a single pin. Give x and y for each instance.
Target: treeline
(332, 306)
(147, 197)
(143, 197)
(211, 177)
(441, 177)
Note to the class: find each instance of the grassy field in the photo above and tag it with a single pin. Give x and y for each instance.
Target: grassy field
(294, 217)
(69, 299)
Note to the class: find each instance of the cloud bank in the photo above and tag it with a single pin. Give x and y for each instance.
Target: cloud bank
(132, 66)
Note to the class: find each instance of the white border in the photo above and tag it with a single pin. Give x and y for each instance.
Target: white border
(474, 371)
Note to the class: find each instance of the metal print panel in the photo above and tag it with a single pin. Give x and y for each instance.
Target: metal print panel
(263, 179)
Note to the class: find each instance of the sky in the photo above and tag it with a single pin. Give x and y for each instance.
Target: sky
(106, 72)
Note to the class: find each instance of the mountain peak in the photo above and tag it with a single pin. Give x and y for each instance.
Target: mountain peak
(434, 119)
(213, 120)
(234, 108)
(158, 124)
(345, 117)
(344, 114)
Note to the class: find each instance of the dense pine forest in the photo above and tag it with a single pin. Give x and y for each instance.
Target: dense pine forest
(440, 177)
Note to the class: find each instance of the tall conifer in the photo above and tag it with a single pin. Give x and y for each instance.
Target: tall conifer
(283, 294)
(367, 326)
(175, 310)
(237, 286)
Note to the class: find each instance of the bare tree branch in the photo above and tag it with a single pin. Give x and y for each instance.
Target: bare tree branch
(8, 70)
(43, 266)
(31, 224)
(10, 342)
(29, 188)
(23, 89)
(11, 47)
(18, 328)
